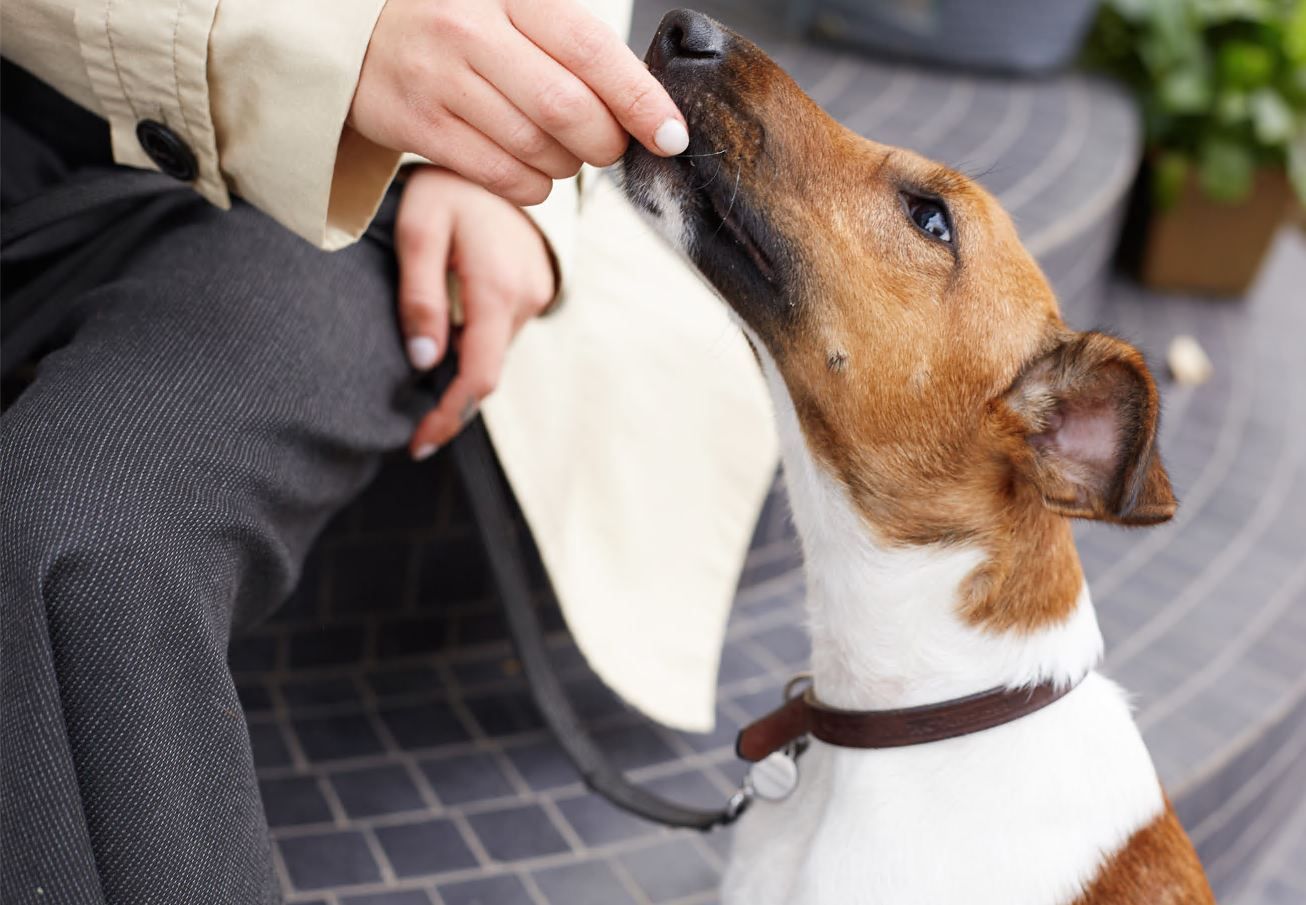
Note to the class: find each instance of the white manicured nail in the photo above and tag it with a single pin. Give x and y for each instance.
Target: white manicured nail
(422, 352)
(425, 452)
(671, 137)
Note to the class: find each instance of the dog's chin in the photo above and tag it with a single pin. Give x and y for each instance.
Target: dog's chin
(658, 190)
(703, 212)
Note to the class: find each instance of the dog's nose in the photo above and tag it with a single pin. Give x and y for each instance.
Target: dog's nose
(685, 35)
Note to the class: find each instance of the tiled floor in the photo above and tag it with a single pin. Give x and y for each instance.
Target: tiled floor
(401, 760)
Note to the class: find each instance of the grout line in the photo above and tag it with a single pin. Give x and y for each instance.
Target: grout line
(1283, 851)
(337, 808)
(1229, 654)
(1267, 509)
(626, 880)
(569, 835)
(533, 889)
(378, 854)
(1282, 762)
(279, 866)
(473, 841)
(299, 762)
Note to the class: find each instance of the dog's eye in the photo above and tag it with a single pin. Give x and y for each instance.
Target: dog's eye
(930, 217)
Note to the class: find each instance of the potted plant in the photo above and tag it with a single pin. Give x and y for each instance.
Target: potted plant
(1222, 85)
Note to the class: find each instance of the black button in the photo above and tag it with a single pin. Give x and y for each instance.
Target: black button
(167, 150)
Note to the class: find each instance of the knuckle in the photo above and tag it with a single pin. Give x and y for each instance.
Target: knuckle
(528, 140)
(501, 175)
(589, 39)
(638, 101)
(411, 240)
(454, 24)
(561, 104)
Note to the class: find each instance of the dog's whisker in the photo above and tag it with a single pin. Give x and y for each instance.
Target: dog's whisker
(731, 206)
(711, 154)
(711, 179)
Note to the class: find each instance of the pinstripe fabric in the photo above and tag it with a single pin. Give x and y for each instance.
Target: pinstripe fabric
(163, 478)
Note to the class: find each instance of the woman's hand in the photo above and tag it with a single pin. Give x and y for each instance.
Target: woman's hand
(512, 94)
(446, 223)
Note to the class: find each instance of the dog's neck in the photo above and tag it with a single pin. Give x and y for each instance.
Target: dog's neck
(885, 621)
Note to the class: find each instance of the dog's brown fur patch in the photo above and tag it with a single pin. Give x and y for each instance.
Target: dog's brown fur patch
(1156, 867)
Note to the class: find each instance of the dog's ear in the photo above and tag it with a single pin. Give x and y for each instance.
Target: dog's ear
(1088, 412)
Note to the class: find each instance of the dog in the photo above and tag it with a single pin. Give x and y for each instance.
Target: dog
(940, 425)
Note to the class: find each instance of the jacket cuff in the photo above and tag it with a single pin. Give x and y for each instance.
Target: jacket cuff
(148, 62)
(282, 139)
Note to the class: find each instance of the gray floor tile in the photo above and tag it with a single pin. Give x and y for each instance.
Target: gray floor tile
(500, 890)
(585, 883)
(328, 860)
(334, 737)
(466, 778)
(396, 897)
(424, 847)
(294, 800)
(373, 791)
(517, 833)
(670, 870)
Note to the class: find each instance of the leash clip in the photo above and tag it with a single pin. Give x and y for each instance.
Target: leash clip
(774, 777)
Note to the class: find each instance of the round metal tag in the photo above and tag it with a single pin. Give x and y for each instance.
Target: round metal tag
(774, 777)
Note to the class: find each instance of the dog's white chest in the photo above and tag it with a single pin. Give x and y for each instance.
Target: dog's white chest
(1023, 813)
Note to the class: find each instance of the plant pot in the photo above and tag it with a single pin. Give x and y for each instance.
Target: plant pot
(1211, 246)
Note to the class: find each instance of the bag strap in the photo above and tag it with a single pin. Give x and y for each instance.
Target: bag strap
(475, 459)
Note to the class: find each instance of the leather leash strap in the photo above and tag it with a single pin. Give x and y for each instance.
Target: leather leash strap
(803, 715)
(490, 502)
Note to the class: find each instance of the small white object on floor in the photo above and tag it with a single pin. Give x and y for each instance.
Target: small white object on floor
(1188, 361)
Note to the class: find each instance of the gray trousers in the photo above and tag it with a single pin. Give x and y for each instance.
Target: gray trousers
(163, 477)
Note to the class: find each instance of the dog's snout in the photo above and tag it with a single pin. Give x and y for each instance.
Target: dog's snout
(686, 36)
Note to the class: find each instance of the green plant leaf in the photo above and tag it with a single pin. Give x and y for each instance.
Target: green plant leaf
(1133, 10)
(1225, 169)
(1169, 173)
(1294, 36)
(1214, 12)
(1232, 107)
(1186, 90)
(1245, 65)
(1271, 116)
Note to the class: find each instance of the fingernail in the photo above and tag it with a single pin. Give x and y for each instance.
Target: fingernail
(671, 137)
(422, 352)
(425, 452)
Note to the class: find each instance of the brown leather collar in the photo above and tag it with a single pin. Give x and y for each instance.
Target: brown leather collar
(803, 714)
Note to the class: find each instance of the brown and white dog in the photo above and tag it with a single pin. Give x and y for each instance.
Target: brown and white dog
(939, 425)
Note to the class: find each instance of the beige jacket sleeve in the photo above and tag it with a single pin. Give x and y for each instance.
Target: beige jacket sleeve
(258, 89)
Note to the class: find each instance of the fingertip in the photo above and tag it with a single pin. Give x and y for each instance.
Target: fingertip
(425, 451)
(423, 352)
(672, 137)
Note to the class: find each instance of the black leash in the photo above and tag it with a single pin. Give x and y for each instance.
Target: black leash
(474, 456)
